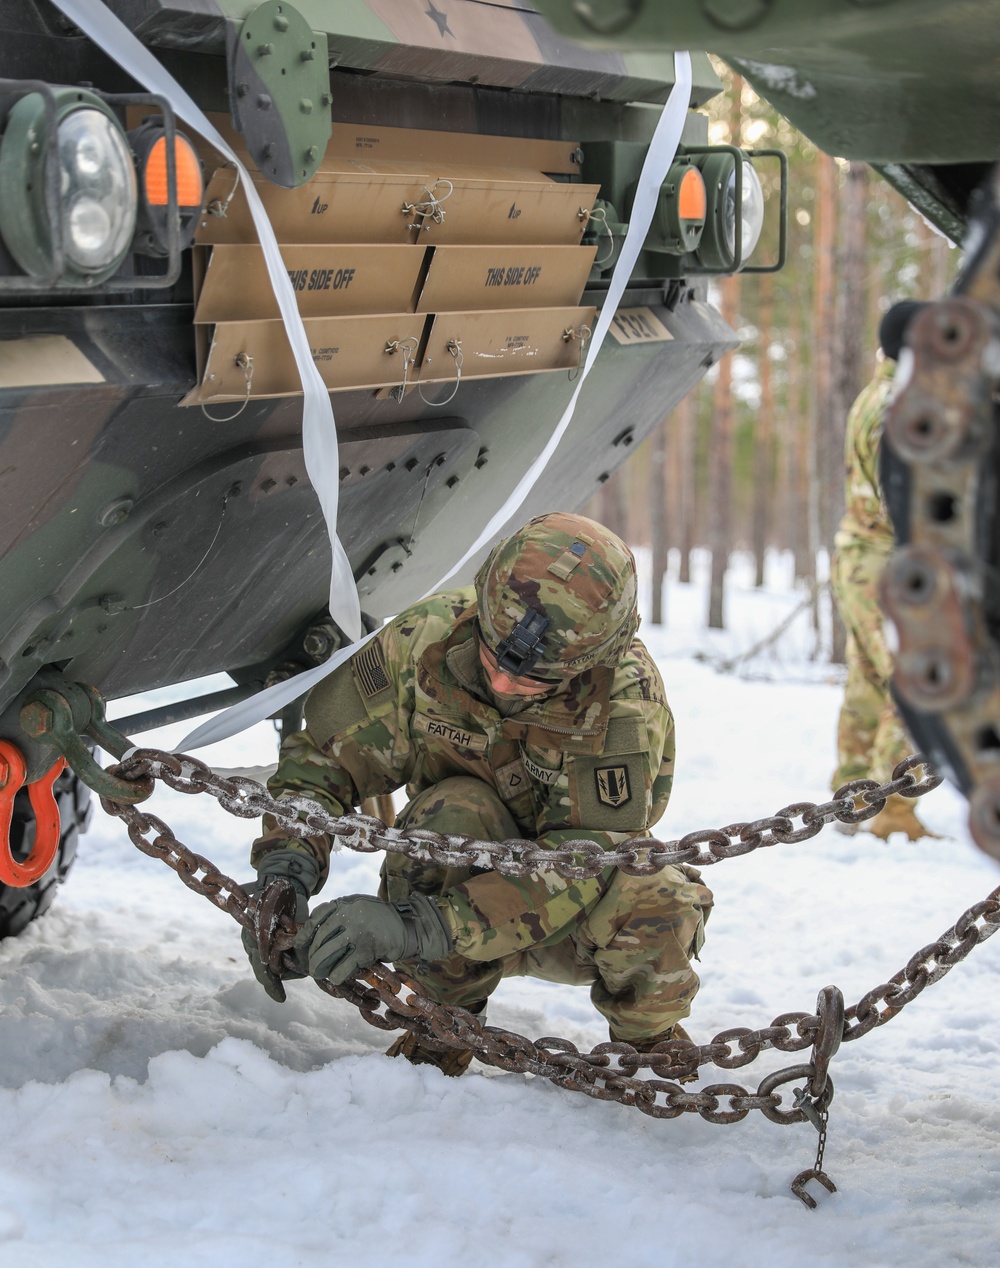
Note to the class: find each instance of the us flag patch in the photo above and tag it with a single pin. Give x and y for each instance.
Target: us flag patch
(613, 788)
(370, 672)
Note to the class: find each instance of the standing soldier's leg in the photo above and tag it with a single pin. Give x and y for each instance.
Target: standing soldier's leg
(864, 690)
(891, 745)
(888, 741)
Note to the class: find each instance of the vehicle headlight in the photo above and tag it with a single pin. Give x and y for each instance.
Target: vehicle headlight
(97, 183)
(752, 207)
(718, 250)
(96, 187)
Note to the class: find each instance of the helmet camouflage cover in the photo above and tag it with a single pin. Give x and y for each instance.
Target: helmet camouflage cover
(578, 577)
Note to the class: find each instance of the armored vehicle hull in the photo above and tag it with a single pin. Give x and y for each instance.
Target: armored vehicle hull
(428, 181)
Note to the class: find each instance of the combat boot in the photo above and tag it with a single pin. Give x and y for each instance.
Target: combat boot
(450, 1061)
(898, 815)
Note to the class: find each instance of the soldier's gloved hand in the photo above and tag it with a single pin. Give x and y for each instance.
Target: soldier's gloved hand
(350, 933)
(303, 872)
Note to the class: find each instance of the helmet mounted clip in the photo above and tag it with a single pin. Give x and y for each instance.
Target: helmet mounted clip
(518, 654)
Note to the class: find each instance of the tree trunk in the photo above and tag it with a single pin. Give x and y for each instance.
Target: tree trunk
(800, 443)
(851, 358)
(720, 511)
(826, 352)
(763, 477)
(685, 480)
(659, 530)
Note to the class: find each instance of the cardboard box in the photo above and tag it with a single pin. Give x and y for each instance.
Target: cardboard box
(351, 352)
(513, 341)
(460, 278)
(406, 145)
(358, 203)
(329, 281)
(448, 149)
(501, 206)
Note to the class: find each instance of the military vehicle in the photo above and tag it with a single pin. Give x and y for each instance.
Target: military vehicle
(909, 86)
(450, 185)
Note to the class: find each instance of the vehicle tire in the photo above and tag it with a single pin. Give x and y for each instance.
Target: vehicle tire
(18, 907)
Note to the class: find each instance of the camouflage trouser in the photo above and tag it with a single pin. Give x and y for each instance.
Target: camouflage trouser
(632, 943)
(871, 738)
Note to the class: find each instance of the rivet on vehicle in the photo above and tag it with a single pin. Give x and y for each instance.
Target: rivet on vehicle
(115, 512)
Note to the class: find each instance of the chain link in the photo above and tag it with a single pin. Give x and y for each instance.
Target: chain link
(390, 1001)
(576, 860)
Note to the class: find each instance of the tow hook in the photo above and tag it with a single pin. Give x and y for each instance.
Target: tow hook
(13, 771)
(60, 715)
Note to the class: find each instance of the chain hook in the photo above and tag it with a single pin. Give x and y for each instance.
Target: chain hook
(13, 773)
(814, 1099)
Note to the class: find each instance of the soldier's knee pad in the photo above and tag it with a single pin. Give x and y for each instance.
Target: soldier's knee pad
(461, 804)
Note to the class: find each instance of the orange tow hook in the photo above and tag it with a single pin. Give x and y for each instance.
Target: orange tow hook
(13, 771)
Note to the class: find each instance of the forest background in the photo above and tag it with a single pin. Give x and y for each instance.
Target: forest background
(753, 459)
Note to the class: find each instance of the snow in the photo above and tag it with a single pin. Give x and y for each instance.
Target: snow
(159, 1109)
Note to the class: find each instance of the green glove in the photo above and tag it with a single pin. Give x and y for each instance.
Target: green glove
(303, 872)
(348, 934)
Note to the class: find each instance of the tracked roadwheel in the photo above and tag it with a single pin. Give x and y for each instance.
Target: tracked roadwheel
(941, 475)
(18, 907)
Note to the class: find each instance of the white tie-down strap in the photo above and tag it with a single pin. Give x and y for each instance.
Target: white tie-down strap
(660, 156)
(319, 431)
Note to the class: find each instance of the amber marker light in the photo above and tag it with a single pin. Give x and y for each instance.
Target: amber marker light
(691, 201)
(680, 211)
(149, 146)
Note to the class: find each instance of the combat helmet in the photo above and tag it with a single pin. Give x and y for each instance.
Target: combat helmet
(558, 598)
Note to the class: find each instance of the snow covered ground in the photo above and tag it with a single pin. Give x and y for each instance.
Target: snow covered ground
(158, 1109)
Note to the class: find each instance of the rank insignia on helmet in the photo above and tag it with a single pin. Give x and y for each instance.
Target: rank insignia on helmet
(612, 785)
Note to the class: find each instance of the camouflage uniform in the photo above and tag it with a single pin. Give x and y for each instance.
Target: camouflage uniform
(871, 738)
(591, 759)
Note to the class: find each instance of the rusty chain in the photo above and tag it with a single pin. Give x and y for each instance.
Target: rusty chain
(577, 860)
(390, 1001)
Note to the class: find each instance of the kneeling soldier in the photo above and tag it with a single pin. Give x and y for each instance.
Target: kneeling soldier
(522, 706)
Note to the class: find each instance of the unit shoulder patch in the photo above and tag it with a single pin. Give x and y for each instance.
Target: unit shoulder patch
(613, 786)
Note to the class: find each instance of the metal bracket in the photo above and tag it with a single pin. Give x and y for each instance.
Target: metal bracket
(62, 716)
(279, 91)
